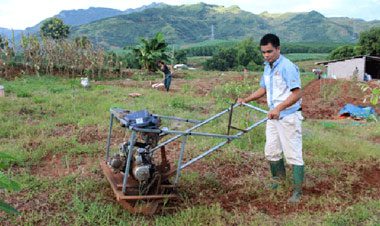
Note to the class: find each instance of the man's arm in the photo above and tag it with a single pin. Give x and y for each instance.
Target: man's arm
(254, 96)
(292, 99)
(170, 68)
(163, 76)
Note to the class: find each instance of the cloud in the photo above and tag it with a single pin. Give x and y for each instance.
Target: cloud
(316, 5)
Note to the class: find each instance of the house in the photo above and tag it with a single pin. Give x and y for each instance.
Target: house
(353, 67)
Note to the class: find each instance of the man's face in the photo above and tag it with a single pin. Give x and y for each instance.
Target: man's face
(270, 53)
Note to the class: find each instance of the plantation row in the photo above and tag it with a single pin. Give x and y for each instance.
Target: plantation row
(62, 56)
(210, 48)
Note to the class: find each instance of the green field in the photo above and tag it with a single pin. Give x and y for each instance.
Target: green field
(296, 57)
(305, 61)
(197, 61)
(219, 43)
(57, 131)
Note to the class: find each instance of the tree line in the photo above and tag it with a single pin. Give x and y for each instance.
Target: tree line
(288, 47)
(245, 54)
(368, 44)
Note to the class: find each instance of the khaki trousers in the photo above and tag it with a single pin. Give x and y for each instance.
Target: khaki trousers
(285, 136)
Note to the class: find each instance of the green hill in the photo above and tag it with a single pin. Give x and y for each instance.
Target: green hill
(180, 24)
(192, 23)
(313, 26)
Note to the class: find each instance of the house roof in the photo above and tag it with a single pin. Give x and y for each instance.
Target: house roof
(348, 58)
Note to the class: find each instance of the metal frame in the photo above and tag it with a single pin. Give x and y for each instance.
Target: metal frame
(180, 133)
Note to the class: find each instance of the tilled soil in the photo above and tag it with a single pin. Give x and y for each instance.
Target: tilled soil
(323, 99)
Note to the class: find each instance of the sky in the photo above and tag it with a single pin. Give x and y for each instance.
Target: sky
(19, 14)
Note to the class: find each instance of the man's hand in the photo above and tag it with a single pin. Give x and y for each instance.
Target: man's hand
(240, 101)
(274, 114)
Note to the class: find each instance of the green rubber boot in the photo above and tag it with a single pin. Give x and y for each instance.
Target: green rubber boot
(298, 174)
(278, 171)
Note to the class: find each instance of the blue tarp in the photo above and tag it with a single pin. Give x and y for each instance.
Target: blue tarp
(358, 111)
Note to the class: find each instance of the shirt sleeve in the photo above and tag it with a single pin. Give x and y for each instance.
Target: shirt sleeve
(292, 77)
(262, 82)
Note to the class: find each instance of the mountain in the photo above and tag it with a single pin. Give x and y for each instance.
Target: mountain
(112, 28)
(84, 16)
(192, 23)
(315, 26)
(152, 5)
(180, 24)
(357, 25)
(8, 32)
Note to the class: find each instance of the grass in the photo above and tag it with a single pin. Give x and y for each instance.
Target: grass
(296, 57)
(308, 65)
(58, 143)
(197, 61)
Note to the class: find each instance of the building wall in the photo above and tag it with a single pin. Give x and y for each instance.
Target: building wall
(345, 69)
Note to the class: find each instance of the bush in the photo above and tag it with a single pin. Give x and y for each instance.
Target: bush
(237, 57)
(252, 66)
(343, 52)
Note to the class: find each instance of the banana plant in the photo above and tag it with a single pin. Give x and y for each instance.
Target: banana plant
(149, 51)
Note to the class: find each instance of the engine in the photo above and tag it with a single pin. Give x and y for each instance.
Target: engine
(142, 164)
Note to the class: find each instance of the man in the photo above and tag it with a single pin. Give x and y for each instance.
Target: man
(281, 83)
(318, 72)
(167, 75)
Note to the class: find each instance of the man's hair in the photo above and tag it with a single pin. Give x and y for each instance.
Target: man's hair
(270, 38)
(159, 61)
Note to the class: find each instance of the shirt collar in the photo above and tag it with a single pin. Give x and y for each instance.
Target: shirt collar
(279, 59)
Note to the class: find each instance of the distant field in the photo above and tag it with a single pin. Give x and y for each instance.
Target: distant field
(308, 65)
(295, 57)
(223, 43)
(197, 61)
(305, 61)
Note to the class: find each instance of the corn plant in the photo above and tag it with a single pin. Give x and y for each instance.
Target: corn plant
(10, 57)
(71, 57)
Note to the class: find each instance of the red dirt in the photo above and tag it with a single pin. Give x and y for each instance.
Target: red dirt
(225, 184)
(32, 144)
(56, 165)
(323, 99)
(63, 129)
(371, 175)
(226, 187)
(376, 140)
(91, 134)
